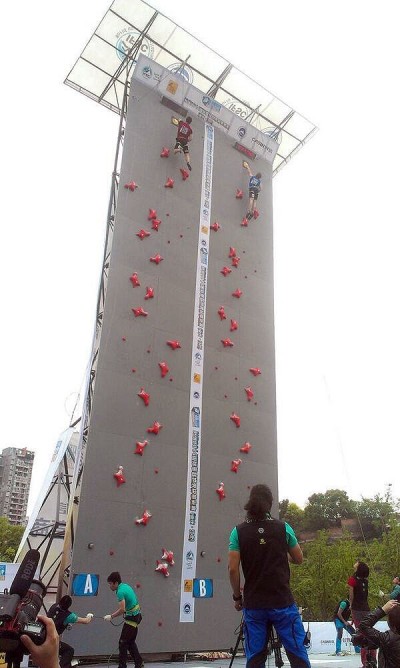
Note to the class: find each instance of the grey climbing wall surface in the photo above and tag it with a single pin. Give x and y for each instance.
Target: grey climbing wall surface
(131, 350)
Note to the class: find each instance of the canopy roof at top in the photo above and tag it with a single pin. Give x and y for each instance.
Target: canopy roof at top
(131, 27)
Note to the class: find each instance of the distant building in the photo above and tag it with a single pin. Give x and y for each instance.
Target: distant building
(15, 480)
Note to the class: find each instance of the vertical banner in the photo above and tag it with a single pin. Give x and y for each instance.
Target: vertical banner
(189, 554)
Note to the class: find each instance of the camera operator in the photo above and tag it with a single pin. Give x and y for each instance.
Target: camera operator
(388, 642)
(46, 655)
(63, 618)
(262, 545)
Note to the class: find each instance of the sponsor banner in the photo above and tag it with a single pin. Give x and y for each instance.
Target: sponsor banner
(189, 553)
(207, 109)
(166, 82)
(175, 87)
(254, 139)
(323, 637)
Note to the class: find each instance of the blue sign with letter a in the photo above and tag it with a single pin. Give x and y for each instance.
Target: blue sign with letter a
(85, 584)
(202, 588)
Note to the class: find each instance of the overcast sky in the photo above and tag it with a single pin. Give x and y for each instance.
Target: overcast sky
(337, 273)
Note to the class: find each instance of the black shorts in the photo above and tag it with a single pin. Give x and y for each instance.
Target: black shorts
(253, 194)
(182, 143)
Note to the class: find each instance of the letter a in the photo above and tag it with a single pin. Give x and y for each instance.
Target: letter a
(88, 585)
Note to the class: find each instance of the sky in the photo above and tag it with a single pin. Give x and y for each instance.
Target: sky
(336, 236)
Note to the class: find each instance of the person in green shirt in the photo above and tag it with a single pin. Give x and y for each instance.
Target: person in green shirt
(128, 606)
(63, 618)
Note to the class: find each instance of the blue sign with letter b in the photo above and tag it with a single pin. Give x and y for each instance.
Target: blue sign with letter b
(202, 588)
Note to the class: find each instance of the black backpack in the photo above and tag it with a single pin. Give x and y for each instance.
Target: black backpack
(58, 615)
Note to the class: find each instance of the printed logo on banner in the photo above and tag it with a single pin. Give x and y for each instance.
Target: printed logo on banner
(126, 39)
(187, 608)
(188, 586)
(147, 72)
(2, 571)
(172, 87)
(197, 378)
(204, 255)
(182, 71)
(196, 395)
(196, 417)
(259, 143)
(210, 102)
(241, 132)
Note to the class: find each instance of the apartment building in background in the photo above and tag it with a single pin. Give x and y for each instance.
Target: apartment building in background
(15, 479)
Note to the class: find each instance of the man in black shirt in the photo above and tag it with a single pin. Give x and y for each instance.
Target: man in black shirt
(262, 545)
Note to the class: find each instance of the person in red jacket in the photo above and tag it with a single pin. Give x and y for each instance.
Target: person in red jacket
(184, 136)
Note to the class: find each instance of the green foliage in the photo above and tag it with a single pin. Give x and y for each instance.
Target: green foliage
(326, 510)
(292, 514)
(10, 536)
(321, 581)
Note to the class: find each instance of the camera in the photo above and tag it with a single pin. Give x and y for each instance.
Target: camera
(19, 608)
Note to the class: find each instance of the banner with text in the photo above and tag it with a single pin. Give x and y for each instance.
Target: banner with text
(189, 553)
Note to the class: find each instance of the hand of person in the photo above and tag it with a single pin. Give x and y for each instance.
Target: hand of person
(389, 606)
(238, 605)
(107, 618)
(46, 655)
(90, 615)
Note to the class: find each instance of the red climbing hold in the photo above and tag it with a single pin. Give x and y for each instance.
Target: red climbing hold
(235, 261)
(149, 293)
(155, 428)
(155, 224)
(142, 234)
(249, 392)
(156, 258)
(244, 222)
(221, 313)
(145, 396)
(225, 271)
(227, 343)
(185, 174)
(134, 279)
(256, 213)
(162, 568)
(236, 419)
(174, 344)
(152, 214)
(169, 183)
(220, 491)
(140, 446)
(144, 519)
(246, 447)
(215, 226)
(168, 556)
(165, 152)
(164, 368)
(131, 186)
(239, 193)
(255, 371)
(119, 476)
(235, 465)
(238, 293)
(232, 252)
(140, 311)
(234, 325)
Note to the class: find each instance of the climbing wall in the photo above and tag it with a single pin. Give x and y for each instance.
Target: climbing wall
(136, 497)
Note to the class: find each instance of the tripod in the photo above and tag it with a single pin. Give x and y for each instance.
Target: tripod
(273, 645)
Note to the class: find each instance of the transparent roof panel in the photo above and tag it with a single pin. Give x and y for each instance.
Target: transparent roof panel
(131, 27)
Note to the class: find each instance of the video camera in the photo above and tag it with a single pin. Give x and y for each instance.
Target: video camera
(20, 607)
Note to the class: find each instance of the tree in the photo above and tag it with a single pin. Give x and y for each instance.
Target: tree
(325, 510)
(10, 536)
(292, 514)
(375, 515)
